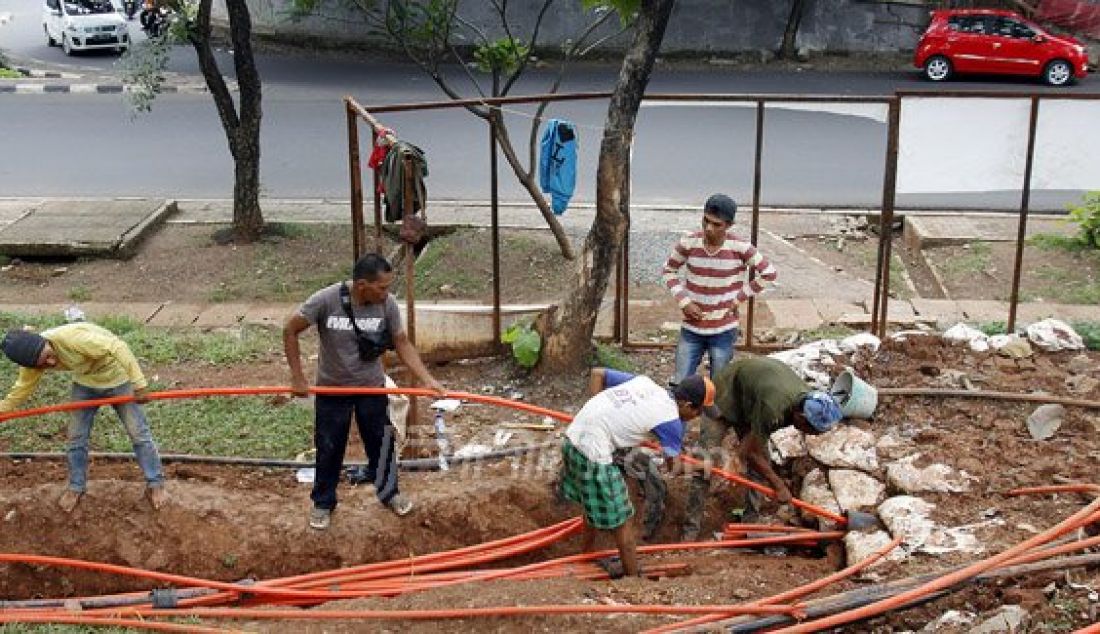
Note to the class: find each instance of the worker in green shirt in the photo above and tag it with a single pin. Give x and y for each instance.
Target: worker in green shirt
(755, 397)
(102, 366)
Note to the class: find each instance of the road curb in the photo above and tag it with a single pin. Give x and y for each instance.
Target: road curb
(23, 88)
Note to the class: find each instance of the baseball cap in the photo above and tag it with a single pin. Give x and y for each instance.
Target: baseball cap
(697, 390)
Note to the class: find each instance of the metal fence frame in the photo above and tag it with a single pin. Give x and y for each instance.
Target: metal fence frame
(880, 301)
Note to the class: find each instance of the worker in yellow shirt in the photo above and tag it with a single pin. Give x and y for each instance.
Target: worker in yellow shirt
(102, 366)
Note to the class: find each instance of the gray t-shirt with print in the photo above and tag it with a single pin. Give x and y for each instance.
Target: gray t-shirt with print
(339, 363)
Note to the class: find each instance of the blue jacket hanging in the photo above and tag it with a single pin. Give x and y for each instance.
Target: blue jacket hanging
(558, 163)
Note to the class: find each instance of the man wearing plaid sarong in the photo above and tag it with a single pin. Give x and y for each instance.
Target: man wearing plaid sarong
(622, 416)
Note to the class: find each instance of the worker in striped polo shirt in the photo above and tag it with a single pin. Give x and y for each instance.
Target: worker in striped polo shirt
(707, 272)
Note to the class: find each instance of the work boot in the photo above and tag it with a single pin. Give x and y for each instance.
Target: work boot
(158, 497)
(69, 499)
(320, 519)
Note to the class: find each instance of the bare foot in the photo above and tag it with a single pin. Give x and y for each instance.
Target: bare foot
(69, 499)
(158, 497)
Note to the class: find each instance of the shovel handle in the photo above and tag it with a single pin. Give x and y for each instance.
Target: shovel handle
(768, 491)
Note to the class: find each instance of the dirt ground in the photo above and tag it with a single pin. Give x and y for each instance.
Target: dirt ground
(230, 523)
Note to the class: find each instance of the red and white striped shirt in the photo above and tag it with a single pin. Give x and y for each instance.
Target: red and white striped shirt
(715, 279)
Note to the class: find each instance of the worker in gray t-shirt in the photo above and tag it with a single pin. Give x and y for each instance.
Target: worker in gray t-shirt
(357, 322)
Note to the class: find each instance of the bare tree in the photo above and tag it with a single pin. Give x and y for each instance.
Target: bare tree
(567, 334)
(144, 69)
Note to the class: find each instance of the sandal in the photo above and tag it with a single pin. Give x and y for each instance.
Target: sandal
(613, 566)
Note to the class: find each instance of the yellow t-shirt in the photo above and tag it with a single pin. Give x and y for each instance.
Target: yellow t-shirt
(96, 357)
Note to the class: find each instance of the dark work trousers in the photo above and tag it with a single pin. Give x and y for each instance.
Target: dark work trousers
(636, 463)
(330, 436)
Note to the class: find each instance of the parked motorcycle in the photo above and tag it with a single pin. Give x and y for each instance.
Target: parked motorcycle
(130, 8)
(154, 19)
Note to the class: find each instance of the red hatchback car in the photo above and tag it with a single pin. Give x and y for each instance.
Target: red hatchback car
(997, 42)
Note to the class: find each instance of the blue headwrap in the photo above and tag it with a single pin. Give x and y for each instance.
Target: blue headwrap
(821, 410)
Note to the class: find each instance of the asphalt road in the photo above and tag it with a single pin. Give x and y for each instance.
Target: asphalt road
(89, 144)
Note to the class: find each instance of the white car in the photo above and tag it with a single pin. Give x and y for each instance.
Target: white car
(84, 25)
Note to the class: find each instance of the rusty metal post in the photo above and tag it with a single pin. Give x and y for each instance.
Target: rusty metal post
(889, 192)
(357, 230)
(408, 193)
(755, 230)
(494, 211)
(625, 204)
(1025, 201)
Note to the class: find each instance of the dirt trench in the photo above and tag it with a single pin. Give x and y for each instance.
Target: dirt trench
(230, 524)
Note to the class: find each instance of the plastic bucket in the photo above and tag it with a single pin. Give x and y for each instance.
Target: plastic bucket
(857, 399)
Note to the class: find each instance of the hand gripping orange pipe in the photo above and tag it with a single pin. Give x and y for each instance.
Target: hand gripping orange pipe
(874, 609)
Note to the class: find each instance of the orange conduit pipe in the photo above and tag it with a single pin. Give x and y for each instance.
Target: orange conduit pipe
(233, 590)
(278, 389)
(403, 567)
(790, 595)
(454, 613)
(1091, 629)
(1074, 521)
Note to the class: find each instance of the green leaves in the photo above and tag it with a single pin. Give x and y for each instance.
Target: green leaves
(526, 343)
(1087, 217)
(502, 55)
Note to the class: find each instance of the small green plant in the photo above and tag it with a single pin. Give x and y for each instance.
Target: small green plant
(229, 560)
(526, 343)
(80, 293)
(1087, 218)
(992, 328)
(1090, 333)
(613, 357)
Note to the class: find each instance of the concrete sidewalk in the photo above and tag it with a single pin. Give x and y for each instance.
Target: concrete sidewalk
(811, 294)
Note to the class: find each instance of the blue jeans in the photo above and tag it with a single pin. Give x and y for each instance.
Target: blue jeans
(332, 426)
(690, 349)
(132, 416)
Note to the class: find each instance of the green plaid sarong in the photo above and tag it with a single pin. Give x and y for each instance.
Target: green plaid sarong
(599, 488)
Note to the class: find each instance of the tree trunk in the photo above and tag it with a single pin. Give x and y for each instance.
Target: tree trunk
(788, 49)
(567, 335)
(242, 130)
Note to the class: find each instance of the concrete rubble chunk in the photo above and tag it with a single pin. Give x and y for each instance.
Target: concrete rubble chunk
(1080, 364)
(1053, 335)
(1045, 421)
(950, 619)
(815, 490)
(891, 447)
(859, 546)
(855, 490)
(786, 444)
(1008, 619)
(1081, 383)
(845, 447)
(907, 517)
(904, 475)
